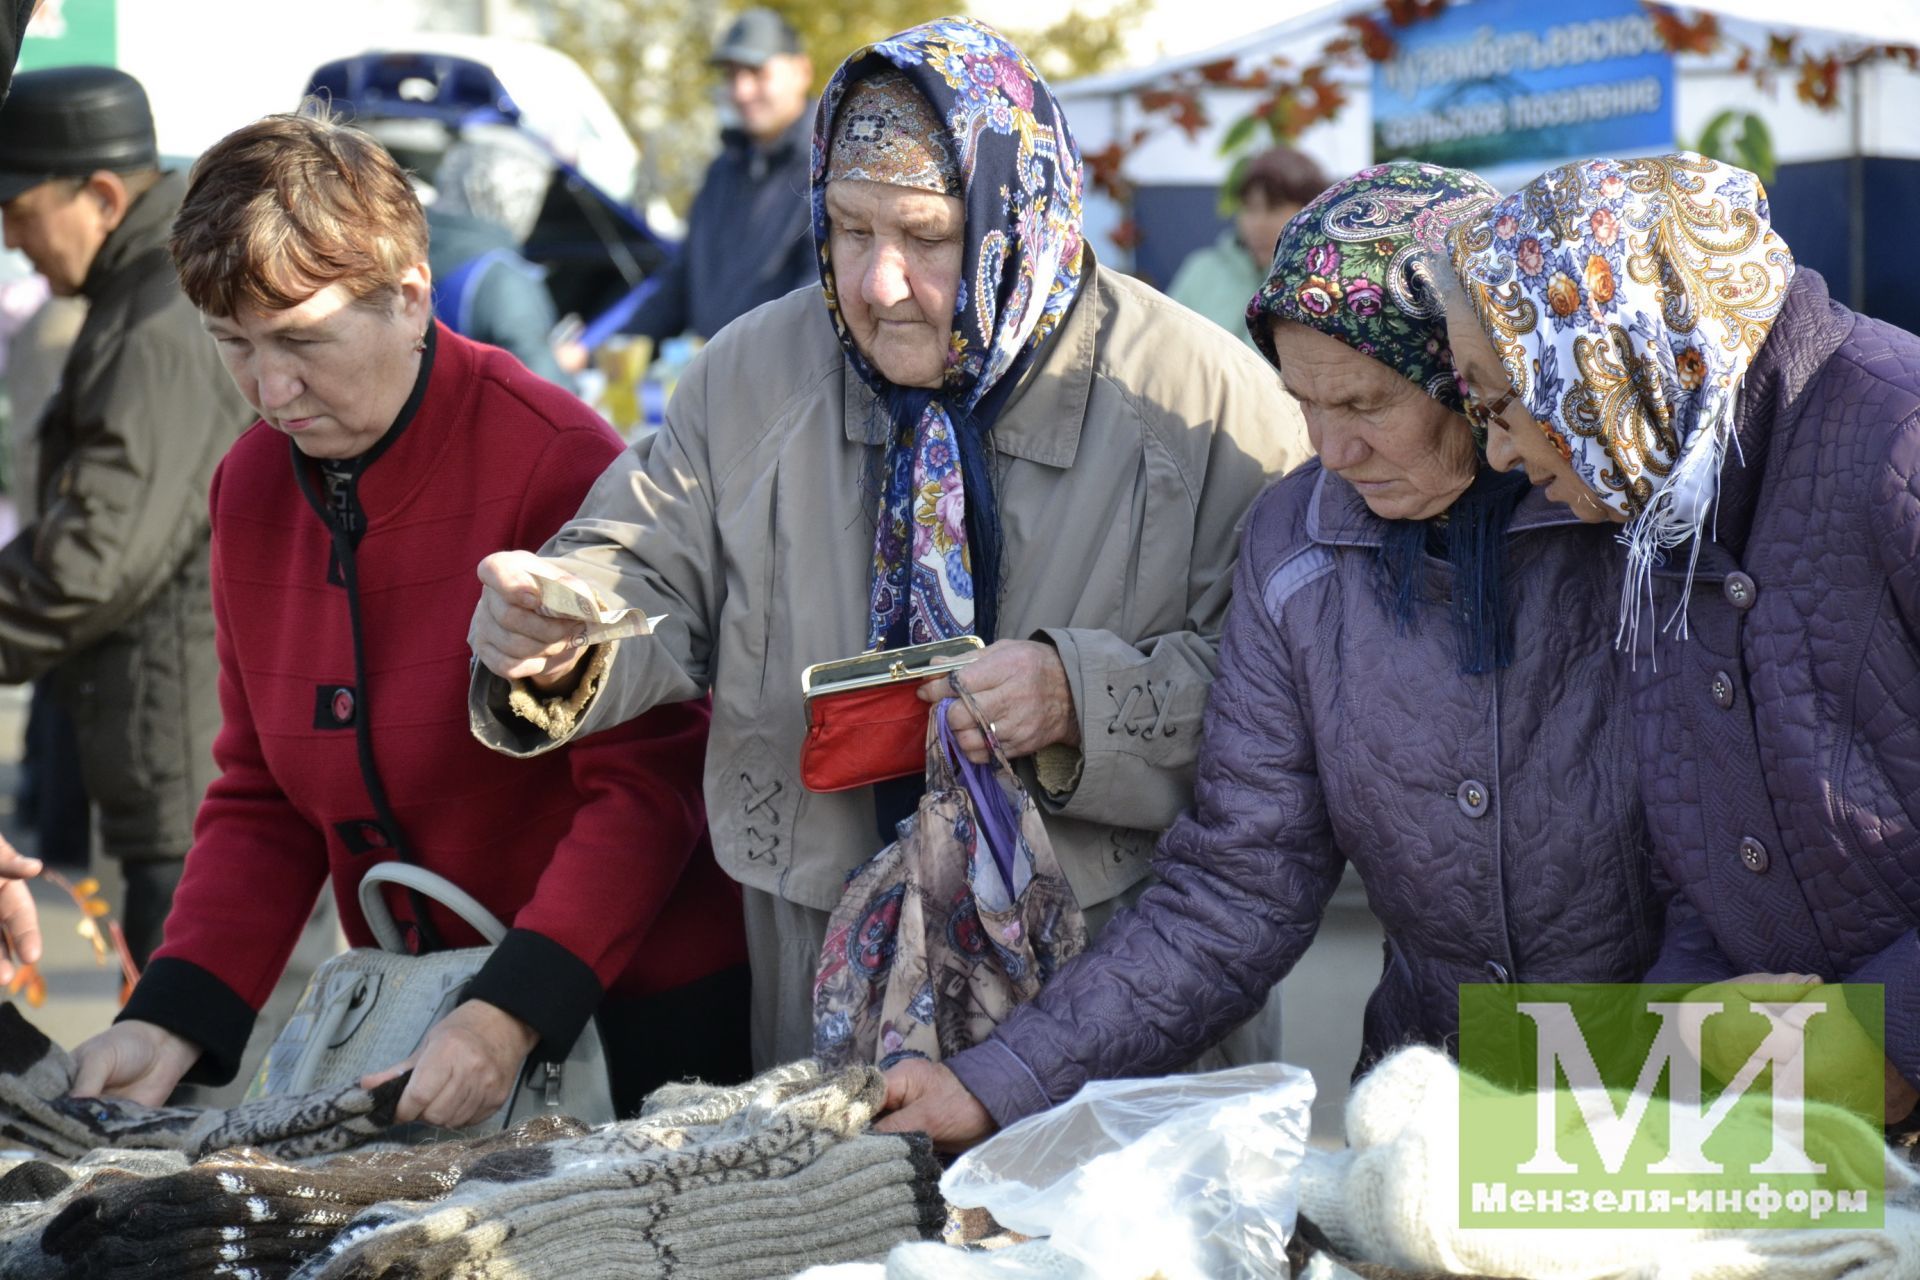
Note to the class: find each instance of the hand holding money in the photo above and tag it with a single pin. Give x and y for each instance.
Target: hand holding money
(573, 599)
(534, 621)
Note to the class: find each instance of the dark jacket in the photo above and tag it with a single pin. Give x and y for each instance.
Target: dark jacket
(485, 290)
(1494, 819)
(1780, 741)
(107, 589)
(749, 238)
(14, 16)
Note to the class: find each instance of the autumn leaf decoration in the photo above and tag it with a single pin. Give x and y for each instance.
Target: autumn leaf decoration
(97, 926)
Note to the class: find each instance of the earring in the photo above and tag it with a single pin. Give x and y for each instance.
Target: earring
(420, 344)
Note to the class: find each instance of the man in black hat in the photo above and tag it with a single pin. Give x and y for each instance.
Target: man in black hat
(747, 236)
(106, 591)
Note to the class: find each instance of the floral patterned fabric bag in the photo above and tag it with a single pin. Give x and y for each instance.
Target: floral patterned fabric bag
(940, 934)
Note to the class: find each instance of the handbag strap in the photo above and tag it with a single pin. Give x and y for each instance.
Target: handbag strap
(430, 884)
(999, 820)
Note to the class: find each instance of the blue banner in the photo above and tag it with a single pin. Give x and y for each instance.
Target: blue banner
(1491, 83)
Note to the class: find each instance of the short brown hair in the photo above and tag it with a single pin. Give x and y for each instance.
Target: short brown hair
(1282, 176)
(281, 209)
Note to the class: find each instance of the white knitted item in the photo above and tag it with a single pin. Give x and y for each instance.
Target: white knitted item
(1035, 1260)
(1393, 1197)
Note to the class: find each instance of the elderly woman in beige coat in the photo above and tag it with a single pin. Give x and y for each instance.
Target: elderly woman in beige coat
(970, 427)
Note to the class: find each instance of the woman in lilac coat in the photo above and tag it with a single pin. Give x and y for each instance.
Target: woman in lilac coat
(1656, 359)
(1409, 682)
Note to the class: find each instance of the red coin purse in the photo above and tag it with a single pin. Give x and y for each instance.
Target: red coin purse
(865, 720)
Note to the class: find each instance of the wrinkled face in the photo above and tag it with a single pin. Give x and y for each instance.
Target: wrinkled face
(1260, 224)
(1515, 438)
(896, 255)
(1408, 455)
(331, 373)
(60, 226)
(771, 96)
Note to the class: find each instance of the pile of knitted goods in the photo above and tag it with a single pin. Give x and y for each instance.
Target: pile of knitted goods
(36, 1113)
(758, 1180)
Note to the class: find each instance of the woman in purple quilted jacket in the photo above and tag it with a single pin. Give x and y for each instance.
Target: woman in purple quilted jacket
(1647, 349)
(1409, 682)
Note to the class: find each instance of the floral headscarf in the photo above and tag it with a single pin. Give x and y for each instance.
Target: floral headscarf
(936, 550)
(1626, 299)
(1352, 265)
(1355, 265)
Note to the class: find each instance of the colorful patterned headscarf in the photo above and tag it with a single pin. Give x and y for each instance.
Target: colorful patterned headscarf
(888, 133)
(936, 551)
(1352, 265)
(1626, 299)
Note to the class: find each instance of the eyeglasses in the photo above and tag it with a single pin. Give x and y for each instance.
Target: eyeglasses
(1483, 415)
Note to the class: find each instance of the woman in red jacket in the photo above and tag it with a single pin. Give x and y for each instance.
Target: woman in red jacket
(391, 455)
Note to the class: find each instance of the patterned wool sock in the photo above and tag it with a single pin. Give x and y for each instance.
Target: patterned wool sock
(760, 1180)
(35, 1075)
(244, 1214)
(22, 1220)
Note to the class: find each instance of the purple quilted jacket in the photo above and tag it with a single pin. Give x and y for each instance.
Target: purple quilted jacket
(1494, 820)
(1780, 742)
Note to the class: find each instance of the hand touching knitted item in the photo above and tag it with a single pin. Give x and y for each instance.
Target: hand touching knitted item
(1393, 1197)
(758, 1180)
(35, 1110)
(244, 1214)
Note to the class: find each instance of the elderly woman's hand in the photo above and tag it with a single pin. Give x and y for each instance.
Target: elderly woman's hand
(1021, 688)
(464, 1069)
(19, 918)
(926, 1097)
(510, 635)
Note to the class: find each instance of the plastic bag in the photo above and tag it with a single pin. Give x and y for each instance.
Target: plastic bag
(1187, 1177)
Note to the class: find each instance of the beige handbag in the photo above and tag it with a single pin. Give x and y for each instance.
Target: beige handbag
(369, 1008)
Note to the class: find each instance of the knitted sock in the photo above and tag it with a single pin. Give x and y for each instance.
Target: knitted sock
(758, 1180)
(22, 1220)
(242, 1213)
(35, 1075)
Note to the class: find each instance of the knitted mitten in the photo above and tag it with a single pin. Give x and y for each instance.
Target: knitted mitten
(756, 1181)
(243, 1214)
(35, 1075)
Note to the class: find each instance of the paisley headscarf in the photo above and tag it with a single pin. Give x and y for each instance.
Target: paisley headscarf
(1626, 299)
(1355, 265)
(937, 545)
(1352, 265)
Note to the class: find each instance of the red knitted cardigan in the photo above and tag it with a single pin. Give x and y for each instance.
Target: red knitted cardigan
(596, 854)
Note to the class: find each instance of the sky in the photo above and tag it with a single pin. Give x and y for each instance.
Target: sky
(1171, 27)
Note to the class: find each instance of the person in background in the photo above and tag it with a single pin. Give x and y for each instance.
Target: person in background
(1217, 280)
(390, 453)
(1093, 447)
(105, 592)
(52, 798)
(747, 240)
(491, 185)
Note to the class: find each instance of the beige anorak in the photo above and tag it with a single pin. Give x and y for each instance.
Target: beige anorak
(1125, 461)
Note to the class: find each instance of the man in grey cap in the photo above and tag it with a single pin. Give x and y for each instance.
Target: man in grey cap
(747, 236)
(106, 591)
